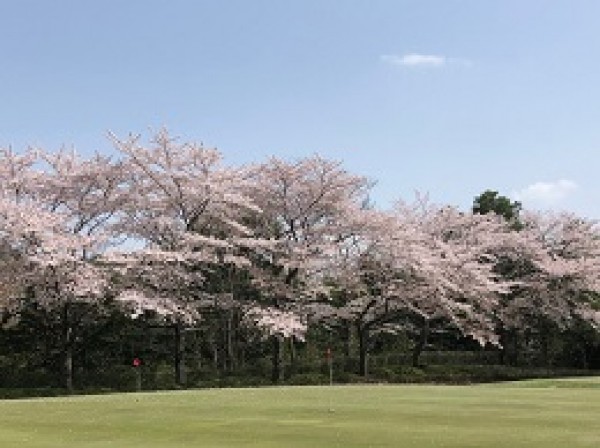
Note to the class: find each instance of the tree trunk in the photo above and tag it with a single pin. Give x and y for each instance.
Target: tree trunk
(293, 356)
(197, 351)
(229, 343)
(584, 357)
(503, 358)
(215, 355)
(68, 347)
(545, 349)
(277, 374)
(510, 347)
(241, 359)
(515, 356)
(363, 350)
(421, 343)
(347, 340)
(180, 373)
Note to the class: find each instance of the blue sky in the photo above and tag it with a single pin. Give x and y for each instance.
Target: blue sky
(449, 97)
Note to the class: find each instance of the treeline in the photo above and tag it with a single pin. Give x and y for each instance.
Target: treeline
(221, 351)
(275, 272)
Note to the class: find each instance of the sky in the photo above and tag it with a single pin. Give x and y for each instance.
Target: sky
(446, 97)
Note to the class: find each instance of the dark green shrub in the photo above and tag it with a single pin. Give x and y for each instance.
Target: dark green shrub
(305, 379)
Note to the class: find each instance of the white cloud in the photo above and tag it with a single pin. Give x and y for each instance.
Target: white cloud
(546, 193)
(415, 60)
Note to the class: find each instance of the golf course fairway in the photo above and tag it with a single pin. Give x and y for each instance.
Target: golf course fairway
(543, 413)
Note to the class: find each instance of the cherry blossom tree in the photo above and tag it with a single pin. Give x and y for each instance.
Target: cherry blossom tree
(25, 228)
(56, 219)
(169, 230)
(305, 209)
(423, 264)
(87, 193)
(188, 213)
(14, 250)
(555, 258)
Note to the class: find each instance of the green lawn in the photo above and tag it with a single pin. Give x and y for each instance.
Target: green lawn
(553, 413)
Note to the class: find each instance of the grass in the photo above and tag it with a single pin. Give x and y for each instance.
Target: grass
(541, 413)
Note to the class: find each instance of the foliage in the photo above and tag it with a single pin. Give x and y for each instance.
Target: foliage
(491, 202)
(218, 274)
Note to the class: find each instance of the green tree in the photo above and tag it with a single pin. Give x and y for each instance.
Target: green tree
(490, 201)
